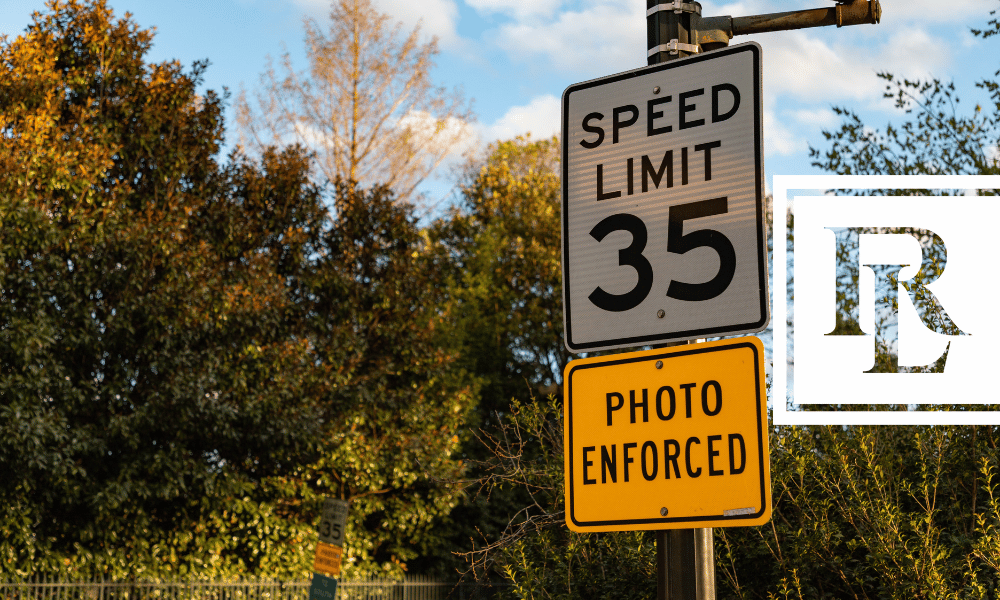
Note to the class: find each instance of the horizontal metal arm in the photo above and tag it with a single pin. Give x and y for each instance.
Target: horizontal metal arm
(856, 13)
(714, 32)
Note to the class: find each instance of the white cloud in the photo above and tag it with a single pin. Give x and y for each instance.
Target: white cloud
(779, 139)
(600, 37)
(786, 132)
(742, 9)
(435, 17)
(914, 52)
(605, 38)
(540, 118)
(921, 10)
(967, 39)
(805, 71)
(453, 138)
(454, 135)
(815, 117)
(992, 155)
(518, 8)
(807, 67)
(311, 136)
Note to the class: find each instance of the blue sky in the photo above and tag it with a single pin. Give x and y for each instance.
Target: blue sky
(514, 58)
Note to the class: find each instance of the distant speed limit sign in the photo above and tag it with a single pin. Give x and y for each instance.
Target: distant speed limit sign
(334, 521)
(330, 547)
(663, 203)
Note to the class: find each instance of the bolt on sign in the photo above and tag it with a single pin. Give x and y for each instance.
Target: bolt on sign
(663, 203)
(672, 438)
(331, 537)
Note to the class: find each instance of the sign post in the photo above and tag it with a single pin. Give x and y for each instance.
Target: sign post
(329, 549)
(664, 241)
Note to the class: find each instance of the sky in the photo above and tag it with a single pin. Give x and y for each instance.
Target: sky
(513, 58)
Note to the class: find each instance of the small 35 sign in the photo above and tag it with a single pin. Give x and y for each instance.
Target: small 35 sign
(334, 522)
(331, 538)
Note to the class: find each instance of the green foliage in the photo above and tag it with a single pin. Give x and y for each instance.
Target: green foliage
(192, 353)
(935, 138)
(536, 552)
(504, 285)
(873, 512)
(398, 400)
(860, 512)
(146, 358)
(499, 257)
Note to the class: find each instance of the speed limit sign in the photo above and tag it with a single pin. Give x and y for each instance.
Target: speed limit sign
(330, 547)
(663, 203)
(333, 521)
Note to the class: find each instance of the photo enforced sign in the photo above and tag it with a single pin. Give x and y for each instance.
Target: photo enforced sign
(672, 438)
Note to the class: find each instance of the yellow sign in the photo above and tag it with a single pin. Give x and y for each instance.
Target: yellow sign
(327, 559)
(668, 439)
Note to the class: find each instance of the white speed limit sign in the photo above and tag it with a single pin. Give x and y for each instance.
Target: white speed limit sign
(663, 203)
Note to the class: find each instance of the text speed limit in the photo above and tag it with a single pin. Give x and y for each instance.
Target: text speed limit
(663, 213)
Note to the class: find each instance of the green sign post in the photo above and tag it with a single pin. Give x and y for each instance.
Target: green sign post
(326, 566)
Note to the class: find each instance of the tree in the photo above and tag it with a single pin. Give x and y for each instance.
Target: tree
(367, 106)
(934, 139)
(499, 255)
(399, 399)
(504, 276)
(859, 512)
(149, 375)
(535, 551)
(886, 512)
(192, 353)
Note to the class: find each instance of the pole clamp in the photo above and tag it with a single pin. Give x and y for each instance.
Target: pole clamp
(676, 6)
(672, 47)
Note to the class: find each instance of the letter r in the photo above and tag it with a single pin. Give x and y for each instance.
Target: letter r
(934, 317)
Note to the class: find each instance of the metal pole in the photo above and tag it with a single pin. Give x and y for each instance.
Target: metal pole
(704, 552)
(669, 31)
(685, 558)
(685, 564)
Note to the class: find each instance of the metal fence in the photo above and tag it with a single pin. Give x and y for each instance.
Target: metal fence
(411, 588)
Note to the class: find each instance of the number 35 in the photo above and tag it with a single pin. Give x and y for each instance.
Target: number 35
(678, 243)
(329, 529)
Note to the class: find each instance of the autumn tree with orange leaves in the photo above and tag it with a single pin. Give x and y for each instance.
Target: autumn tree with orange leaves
(192, 350)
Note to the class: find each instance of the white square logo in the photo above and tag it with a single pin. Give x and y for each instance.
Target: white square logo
(903, 252)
